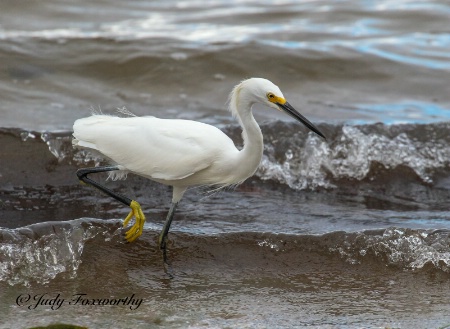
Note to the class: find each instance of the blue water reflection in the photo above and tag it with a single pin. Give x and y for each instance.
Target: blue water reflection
(405, 112)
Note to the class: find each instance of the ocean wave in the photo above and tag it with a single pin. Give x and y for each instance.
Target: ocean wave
(308, 28)
(301, 160)
(354, 153)
(40, 252)
(403, 248)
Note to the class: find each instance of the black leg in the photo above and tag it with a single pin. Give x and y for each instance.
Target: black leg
(82, 176)
(165, 230)
(136, 230)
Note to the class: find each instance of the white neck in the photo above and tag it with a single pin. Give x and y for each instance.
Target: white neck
(250, 156)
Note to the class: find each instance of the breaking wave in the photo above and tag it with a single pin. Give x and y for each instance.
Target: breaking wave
(355, 153)
(39, 252)
(304, 161)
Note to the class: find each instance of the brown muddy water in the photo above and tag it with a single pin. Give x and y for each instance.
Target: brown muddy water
(352, 232)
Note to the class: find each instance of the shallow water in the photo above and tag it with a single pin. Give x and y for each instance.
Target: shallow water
(353, 232)
(234, 279)
(330, 248)
(336, 61)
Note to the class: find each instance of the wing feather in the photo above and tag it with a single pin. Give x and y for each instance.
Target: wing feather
(155, 148)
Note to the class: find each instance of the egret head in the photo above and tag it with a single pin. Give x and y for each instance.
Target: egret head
(258, 90)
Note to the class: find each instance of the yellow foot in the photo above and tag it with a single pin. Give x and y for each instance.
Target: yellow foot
(136, 230)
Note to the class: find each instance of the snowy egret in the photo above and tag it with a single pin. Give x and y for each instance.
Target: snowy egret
(179, 153)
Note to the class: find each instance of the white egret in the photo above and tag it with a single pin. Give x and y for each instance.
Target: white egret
(180, 153)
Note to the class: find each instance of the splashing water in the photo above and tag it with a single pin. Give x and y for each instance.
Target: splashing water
(405, 248)
(351, 155)
(26, 257)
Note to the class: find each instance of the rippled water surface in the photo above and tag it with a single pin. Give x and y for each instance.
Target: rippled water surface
(351, 232)
(338, 61)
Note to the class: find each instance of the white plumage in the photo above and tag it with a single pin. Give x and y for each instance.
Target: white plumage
(173, 152)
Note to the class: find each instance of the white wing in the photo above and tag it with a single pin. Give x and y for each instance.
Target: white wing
(156, 148)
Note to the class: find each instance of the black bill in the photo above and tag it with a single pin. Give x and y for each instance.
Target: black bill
(286, 107)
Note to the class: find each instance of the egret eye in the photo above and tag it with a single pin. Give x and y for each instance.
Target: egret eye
(271, 97)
